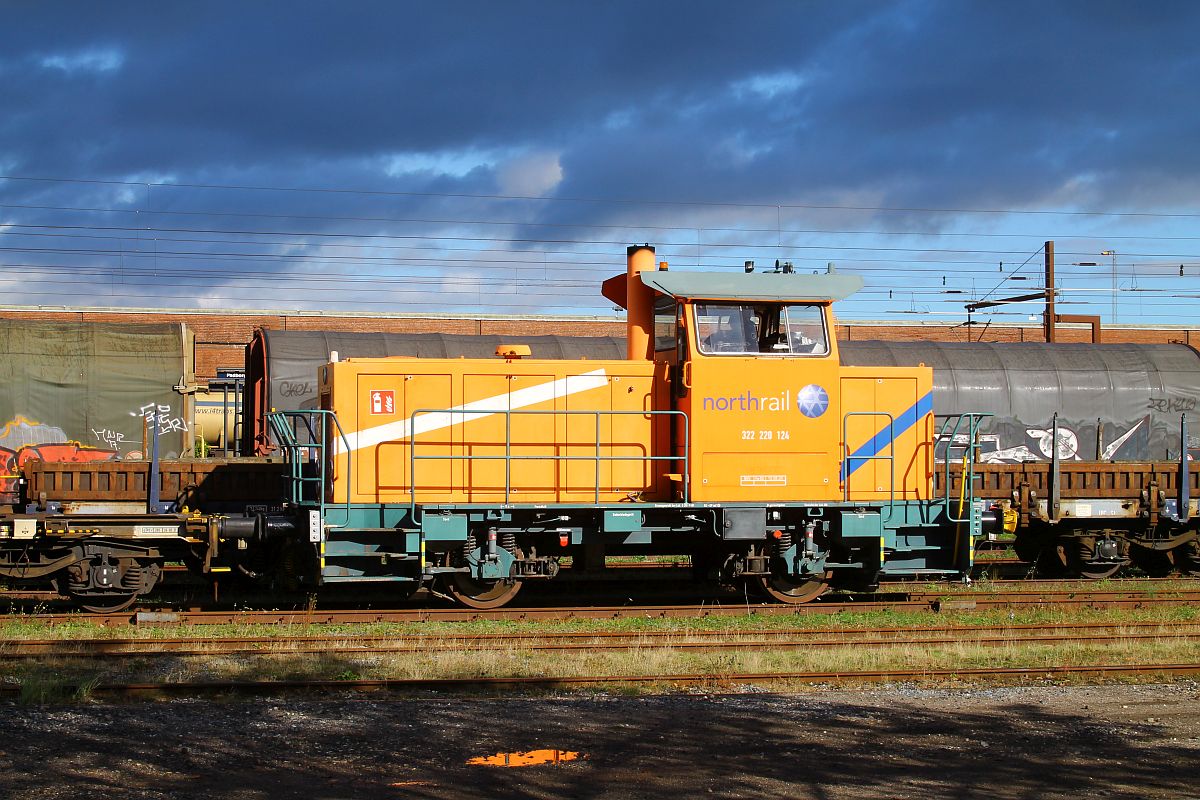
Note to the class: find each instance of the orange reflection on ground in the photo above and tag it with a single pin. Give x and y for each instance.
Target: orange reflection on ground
(531, 758)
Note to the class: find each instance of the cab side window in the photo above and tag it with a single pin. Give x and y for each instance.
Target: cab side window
(805, 328)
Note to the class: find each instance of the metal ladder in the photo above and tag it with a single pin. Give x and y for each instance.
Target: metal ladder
(308, 486)
(969, 512)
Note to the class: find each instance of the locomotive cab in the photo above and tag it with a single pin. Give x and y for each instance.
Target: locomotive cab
(772, 414)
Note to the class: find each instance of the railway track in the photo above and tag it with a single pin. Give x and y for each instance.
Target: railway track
(1125, 593)
(1066, 599)
(608, 641)
(718, 682)
(127, 661)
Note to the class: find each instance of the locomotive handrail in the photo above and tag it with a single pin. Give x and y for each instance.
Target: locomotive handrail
(291, 446)
(974, 420)
(891, 459)
(508, 457)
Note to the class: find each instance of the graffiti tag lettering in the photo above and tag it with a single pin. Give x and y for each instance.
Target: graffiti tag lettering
(161, 415)
(110, 437)
(1167, 404)
(290, 389)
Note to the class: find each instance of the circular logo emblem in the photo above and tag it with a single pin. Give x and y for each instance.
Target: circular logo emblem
(812, 400)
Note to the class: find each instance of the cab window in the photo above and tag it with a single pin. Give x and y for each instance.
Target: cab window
(805, 329)
(761, 329)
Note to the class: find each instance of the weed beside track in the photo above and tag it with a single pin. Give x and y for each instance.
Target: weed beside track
(634, 654)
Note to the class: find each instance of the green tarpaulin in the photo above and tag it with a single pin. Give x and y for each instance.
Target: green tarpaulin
(74, 391)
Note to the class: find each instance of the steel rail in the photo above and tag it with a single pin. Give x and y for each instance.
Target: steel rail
(919, 634)
(932, 601)
(219, 648)
(906, 587)
(677, 680)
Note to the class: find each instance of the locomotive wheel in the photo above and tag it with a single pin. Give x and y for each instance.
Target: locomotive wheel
(483, 595)
(785, 589)
(1082, 562)
(137, 576)
(107, 603)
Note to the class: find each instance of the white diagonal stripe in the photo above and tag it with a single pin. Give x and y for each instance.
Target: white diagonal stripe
(403, 429)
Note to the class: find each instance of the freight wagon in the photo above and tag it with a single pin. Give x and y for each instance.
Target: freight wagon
(83, 393)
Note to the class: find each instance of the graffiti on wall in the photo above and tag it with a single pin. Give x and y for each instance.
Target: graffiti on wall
(1010, 442)
(1171, 404)
(113, 439)
(162, 416)
(1038, 444)
(23, 440)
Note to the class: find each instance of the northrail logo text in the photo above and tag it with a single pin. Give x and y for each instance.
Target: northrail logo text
(812, 401)
(748, 401)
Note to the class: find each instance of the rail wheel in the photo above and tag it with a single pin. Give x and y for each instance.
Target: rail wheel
(472, 593)
(1094, 560)
(484, 594)
(1098, 571)
(105, 603)
(785, 589)
(107, 582)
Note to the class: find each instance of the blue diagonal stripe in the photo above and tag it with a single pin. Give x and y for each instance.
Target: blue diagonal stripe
(880, 441)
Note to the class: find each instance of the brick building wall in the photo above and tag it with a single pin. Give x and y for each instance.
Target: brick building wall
(221, 338)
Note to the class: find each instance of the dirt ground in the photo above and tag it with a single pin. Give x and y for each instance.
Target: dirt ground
(899, 742)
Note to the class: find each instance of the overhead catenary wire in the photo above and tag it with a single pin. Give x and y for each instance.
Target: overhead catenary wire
(306, 263)
(600, 200)
(592, 225)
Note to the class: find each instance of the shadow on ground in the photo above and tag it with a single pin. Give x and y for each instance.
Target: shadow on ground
(905, 743)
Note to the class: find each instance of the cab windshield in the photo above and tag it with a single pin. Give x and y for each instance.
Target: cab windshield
(761, 328)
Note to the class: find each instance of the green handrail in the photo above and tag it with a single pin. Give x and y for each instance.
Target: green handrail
(891, 459)
(508, 457)
(973, 421)
(319, 424)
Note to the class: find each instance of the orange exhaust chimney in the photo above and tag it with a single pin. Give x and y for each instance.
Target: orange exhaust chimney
(639, 304)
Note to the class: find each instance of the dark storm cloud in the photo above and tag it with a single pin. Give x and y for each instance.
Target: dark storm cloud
(915, 104)
(775, 101)
(942, 104)
(234, 84)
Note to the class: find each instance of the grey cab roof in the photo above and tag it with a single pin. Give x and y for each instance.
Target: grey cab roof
(763, 286)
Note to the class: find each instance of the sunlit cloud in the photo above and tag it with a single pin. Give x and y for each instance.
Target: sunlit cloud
(530, 175)
(770, 85)
(452, 163)
(99, 59)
